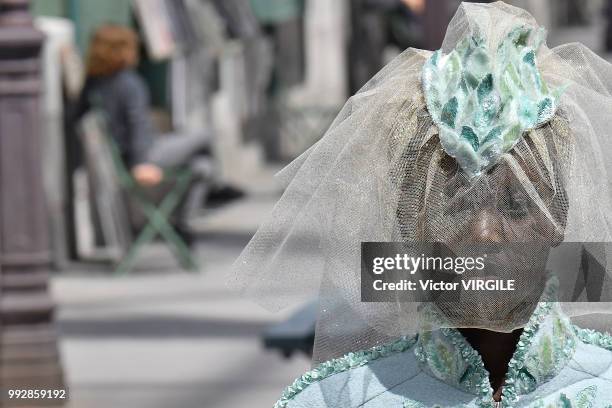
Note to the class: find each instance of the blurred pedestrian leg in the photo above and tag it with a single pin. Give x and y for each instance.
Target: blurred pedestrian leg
(192, 151)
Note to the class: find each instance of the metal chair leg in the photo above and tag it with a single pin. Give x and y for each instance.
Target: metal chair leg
(158, 224)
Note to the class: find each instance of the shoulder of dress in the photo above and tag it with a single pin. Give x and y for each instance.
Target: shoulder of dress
(594, 355)
(343, 364)
(593, 337)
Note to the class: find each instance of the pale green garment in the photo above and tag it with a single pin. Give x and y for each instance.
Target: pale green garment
(556, 364)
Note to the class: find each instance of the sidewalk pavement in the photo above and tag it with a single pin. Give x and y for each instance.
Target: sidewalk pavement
(162, 338)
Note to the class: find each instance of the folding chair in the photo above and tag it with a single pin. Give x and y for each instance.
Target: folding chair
(93, 131)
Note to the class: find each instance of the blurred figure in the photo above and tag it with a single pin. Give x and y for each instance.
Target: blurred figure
(574, 12)
(376, 24)
(417, 6)
(113, 85)
(608, 32)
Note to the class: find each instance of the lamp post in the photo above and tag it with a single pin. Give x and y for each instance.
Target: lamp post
(28, 341)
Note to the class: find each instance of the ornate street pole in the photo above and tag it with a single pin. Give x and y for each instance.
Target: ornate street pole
(28, 340)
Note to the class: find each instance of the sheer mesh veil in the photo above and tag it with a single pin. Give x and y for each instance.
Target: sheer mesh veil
(380, 174)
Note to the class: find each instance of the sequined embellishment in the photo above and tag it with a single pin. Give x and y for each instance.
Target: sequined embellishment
(342, 364)
(483, 102)
(547, 343)
(583, 399)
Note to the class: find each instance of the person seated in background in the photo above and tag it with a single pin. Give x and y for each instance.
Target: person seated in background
(114, 86)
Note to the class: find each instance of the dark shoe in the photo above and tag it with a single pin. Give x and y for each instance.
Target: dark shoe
(187, 236)
(223, 195)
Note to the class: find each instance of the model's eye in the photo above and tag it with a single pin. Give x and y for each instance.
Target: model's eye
(514, 204)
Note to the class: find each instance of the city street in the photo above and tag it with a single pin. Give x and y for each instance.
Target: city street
(161, 337)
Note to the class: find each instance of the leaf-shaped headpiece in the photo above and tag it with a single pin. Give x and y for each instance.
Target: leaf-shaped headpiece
(483, 103)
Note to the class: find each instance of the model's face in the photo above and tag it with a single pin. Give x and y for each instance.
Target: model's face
(509, 203)
(506, 214)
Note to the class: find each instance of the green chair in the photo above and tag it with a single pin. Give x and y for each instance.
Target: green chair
(100, 149)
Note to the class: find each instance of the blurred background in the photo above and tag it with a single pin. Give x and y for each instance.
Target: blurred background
(138, 144)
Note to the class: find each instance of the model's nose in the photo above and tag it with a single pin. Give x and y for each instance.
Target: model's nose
(487, 227)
